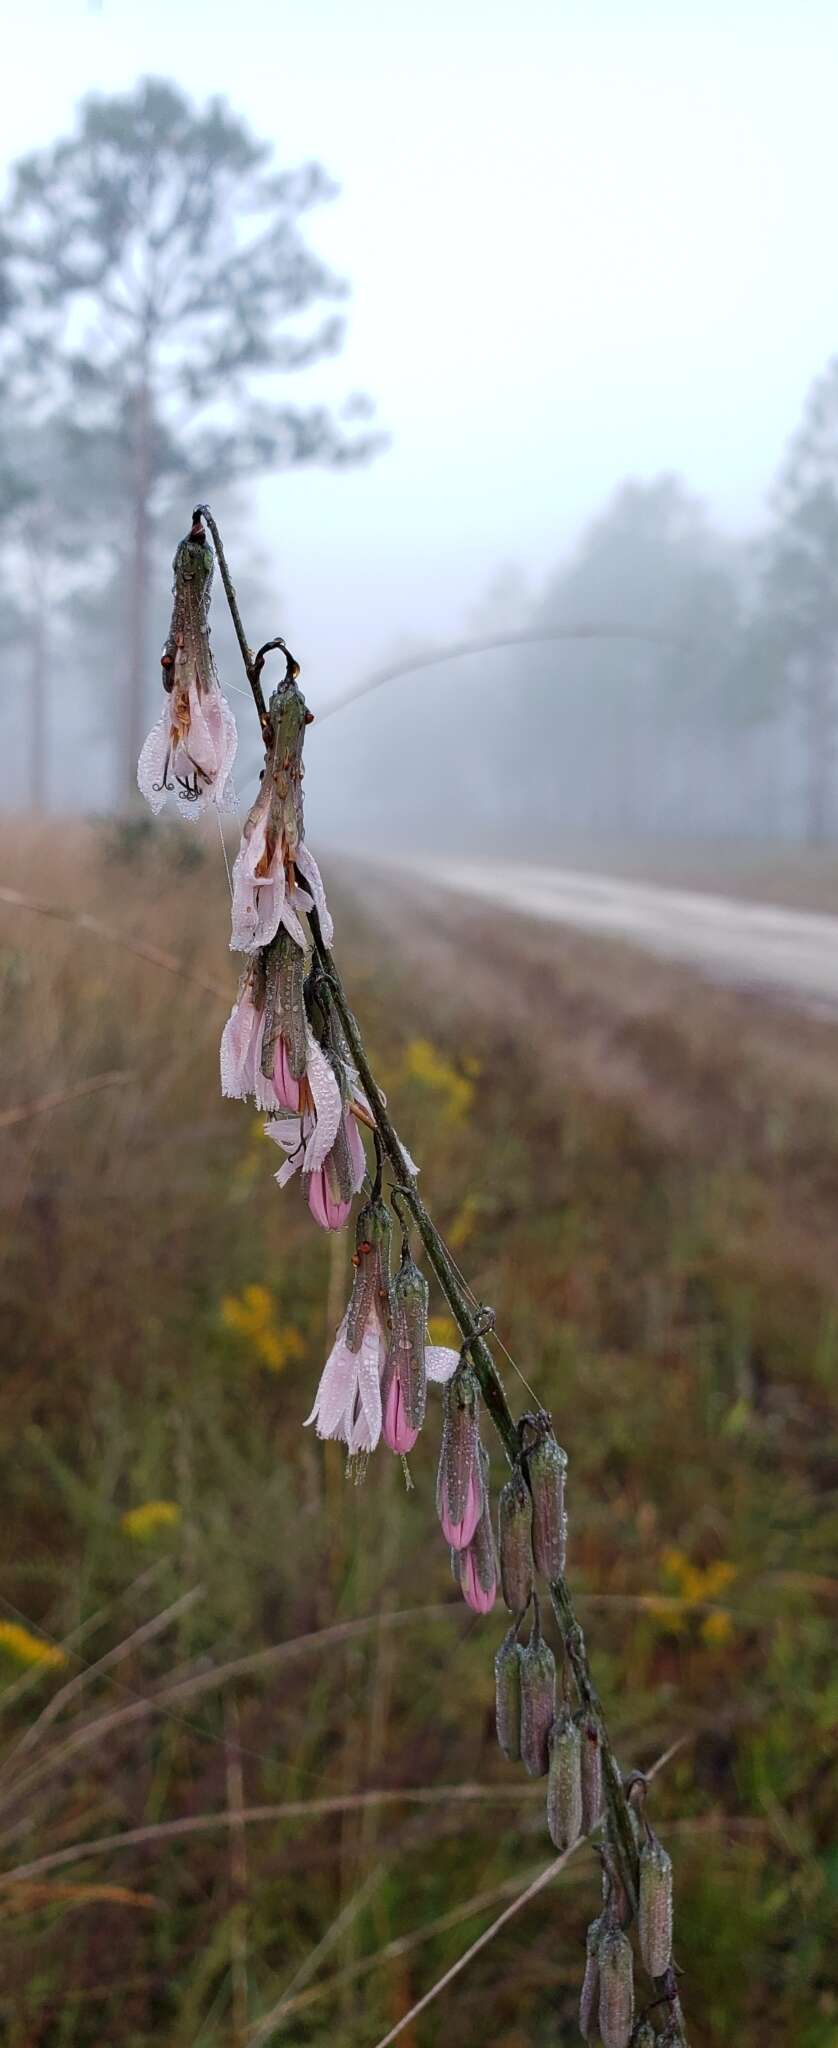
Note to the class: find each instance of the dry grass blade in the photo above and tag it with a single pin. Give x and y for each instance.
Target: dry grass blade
(172, 1696)
(99, 930)
(271, 2021)
(290, 1809)
(32, 1896)
(24, 1110)
(544, 1878)
(144, 1634)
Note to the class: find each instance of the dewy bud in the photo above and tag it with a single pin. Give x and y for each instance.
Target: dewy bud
(564, 1784)
(546, 1466)
(589, 1994)
(476, 1567)
(508, 1696)
(459, 1490)
(410, 1315)
(538, 1703)
(591, 1761)
(644, 2035)
(654, 1912)
(371, 1261)
(515, 1542)
(616, 1989)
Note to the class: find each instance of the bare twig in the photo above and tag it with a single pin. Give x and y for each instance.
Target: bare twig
(83, 921)
(23, 1111)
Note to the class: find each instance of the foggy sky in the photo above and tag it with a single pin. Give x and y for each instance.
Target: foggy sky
(585, 241)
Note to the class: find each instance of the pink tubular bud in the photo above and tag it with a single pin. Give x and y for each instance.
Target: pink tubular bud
(515, 1542)
(395, 1428)
(326, 1207)
(459, 1494)
(538, 1702)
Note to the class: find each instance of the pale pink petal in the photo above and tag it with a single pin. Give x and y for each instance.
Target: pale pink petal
(285, 1086)
(459, 1534)
(152, 779)
(476, 1595)
(326, 1207)
(311, 873)
(257, 900)
(336, 1389)
(288, 917)
(395, 1429)
(440, 1362)
(237, 1050)
(327, 1103)
(365, 1428)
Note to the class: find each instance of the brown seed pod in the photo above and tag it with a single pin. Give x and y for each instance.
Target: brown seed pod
(564, 1784)
(616, 1989)
(508, 1696)
(589, 1994)
(546, 1468)
(654, 1912)
(591, 1771)
(515, 1542)
(538, 1702)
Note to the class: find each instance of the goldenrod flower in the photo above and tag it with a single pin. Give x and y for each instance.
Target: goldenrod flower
(27, 1648)
(152, 1515)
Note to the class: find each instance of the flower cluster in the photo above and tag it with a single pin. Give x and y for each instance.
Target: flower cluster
(374, 1382)
(191, 748)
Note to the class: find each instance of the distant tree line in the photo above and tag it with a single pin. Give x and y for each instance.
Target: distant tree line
(155, 286)
(709, 705)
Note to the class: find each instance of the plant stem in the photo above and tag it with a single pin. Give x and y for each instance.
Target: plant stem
(491, 1384)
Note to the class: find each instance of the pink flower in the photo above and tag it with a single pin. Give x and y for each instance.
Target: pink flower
(190, 750)
(460, 1533)
(347, 1404)
(398, 1433)
(476, 1567)
(395, 1428)
(241, 1058)
(329, 1207)
(266, 890)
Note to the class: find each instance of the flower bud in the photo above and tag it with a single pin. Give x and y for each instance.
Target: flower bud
(591, 1761)
(589, 1994)
(654, 1911)
(616, 1989)
(546, 1467)
(410, 1315)
(515, 1542)
(508, 1696)
(538, 1703)
(476, 1567)
(644, 2035)
(564, 1784)
(371, 1260)
(459, 1488)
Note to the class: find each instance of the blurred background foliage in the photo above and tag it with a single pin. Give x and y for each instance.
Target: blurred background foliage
(643, 1224)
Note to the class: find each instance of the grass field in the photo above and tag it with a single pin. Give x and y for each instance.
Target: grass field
(209, 1638)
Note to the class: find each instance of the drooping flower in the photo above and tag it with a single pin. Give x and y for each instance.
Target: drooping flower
(475, 1565)
(410, 1361)
(190, 750)
(347, 1404)
(275, 877)
(459, 1490)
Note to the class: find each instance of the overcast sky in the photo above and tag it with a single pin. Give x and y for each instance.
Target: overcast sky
(586, 240)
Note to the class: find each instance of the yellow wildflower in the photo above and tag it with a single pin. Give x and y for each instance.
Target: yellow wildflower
(717, 1628)
(455, 1090)
(253, 1315)
(27, 1648)
(152, 1515)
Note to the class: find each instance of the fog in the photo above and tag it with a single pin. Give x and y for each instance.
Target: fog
(587, 252)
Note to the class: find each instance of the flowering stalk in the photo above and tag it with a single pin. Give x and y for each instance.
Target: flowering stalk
(348, 1404)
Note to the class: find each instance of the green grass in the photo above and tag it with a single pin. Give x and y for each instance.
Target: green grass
(643, 1179)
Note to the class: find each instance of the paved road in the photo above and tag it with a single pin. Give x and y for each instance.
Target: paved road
(752, 945)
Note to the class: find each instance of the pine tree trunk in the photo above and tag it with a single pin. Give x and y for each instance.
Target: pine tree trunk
(134, 724)
(37, 708)
(820, 706)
